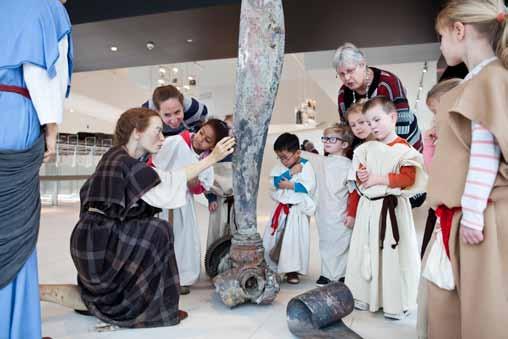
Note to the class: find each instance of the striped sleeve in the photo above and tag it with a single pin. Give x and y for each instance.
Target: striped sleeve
(195, 112)
(483, 167)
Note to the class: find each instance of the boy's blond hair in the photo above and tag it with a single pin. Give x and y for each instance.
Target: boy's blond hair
(442, 87)
(386, 104)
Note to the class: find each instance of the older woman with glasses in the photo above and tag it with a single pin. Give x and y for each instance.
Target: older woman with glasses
(361, 81)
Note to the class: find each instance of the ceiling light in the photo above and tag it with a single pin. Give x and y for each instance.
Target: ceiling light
(161, 81)
(186, 87)
(113, 48)
(162, 70)
(175, 69)
(190, 41)
(190, 78)
(424, 70)
(71, 110)
(150, 45)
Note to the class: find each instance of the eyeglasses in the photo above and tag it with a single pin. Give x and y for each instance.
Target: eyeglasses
(286, 158)
(331, 140)
(348, 72)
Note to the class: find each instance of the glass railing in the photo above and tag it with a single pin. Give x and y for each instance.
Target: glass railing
(75, 162)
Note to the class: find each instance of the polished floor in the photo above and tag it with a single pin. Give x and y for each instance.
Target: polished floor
(208, 317)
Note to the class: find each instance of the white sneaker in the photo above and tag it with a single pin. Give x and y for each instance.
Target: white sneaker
(399, 316)
(361, 306)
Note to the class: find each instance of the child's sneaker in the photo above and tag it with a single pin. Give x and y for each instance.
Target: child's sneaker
(322, 281)
(399, 316)
(361, 306)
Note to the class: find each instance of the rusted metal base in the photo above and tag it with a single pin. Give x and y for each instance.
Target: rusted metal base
(250, 280)
(318, 313)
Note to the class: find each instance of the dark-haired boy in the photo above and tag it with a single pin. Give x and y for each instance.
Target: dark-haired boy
(286, 238)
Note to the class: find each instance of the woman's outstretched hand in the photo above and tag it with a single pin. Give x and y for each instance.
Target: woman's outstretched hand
(223, 148)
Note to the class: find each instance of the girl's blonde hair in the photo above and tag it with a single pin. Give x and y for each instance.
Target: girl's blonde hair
(355, 108)
(487, 16)
(442, 87)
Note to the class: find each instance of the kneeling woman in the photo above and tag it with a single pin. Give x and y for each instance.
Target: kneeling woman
(124, 255)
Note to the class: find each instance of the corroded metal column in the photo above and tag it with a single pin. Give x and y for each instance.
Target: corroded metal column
(259, 67)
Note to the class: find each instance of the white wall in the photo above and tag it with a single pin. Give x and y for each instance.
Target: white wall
(98, 98)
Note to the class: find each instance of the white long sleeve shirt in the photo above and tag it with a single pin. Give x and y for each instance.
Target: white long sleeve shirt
(48, 94)
(483, 168)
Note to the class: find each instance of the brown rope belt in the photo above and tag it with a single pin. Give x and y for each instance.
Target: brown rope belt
(389, 205)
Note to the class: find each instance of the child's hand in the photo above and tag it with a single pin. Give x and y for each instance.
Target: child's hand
(374, 180)
(350, 222)
(470, 236)
(223, 148)
(432, 134)
(212, 207)
(285, 184)
(363, 175)
(296, 169)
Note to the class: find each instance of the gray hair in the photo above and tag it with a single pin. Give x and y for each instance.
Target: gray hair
(348, 54)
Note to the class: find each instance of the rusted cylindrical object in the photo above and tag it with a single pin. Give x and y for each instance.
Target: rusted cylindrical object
(320, 307)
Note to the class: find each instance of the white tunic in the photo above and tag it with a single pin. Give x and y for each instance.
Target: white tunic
(222, 187)
(176, 154)
(385, 278)
(332, 196)
(294, 256)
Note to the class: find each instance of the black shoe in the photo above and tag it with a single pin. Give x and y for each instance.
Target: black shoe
(342, 280)
(322, 281)
(184, 290)
(292, 278)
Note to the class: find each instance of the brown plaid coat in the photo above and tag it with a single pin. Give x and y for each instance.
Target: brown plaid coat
(125, 256)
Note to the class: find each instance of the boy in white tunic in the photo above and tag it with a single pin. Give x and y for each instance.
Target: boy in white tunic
(384, 264)
(177, 152)
(286, 239)
(334, 226)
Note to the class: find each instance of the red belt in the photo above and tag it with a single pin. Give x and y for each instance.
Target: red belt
(445, 215)
(281, 208)
(15, 89)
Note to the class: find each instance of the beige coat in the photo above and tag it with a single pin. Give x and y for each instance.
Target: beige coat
(478, 307)
(394, 273)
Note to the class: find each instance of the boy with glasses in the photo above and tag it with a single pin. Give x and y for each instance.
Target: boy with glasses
(286, 239)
